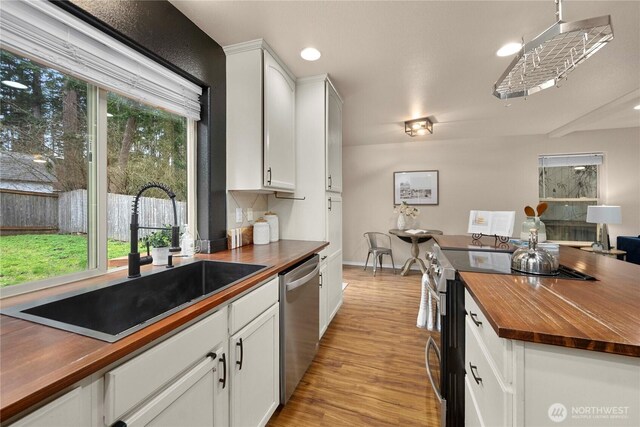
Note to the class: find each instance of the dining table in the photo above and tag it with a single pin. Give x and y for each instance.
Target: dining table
(415, 237)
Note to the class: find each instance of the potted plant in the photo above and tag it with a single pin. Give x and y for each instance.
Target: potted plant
(159, 241)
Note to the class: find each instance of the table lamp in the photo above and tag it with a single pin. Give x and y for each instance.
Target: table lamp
(603, 215)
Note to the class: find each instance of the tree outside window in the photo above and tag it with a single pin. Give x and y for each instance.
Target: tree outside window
(46, 189)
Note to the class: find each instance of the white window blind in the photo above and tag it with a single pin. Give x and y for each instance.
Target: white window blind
(570, 160)
(47, 34)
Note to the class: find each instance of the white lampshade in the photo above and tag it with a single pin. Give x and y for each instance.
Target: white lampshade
(604, 214)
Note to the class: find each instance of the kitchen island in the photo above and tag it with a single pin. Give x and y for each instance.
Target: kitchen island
(542, 350)
(38, 362)
(599, 315)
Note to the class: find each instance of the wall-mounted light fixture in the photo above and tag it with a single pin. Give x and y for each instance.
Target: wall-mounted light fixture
(418, 126)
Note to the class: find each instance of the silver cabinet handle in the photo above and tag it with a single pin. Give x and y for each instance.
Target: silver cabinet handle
(431, 344)
(269, 176)
(329, 203)
(330, 183)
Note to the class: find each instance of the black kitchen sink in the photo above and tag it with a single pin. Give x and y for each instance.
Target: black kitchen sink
(118, 309)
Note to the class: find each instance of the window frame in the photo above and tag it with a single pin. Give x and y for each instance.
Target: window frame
(170, 87)
(600, 181)
(97, 259)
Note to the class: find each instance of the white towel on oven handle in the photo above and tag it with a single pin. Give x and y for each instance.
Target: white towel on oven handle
(428, 313)
(425, 299)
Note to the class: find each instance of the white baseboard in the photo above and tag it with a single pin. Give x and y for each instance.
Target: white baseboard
(361, 264)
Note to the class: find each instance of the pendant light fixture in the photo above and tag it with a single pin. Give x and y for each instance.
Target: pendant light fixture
(550, 57)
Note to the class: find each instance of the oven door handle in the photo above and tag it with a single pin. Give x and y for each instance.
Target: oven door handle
(432, 344)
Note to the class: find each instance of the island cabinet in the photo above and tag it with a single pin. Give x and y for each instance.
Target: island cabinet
(516, 383)
(255, 356)
(314, 211)
(260, 119)
(181, 381)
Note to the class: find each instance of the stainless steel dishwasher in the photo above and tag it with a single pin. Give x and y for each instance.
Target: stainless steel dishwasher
(299, 322)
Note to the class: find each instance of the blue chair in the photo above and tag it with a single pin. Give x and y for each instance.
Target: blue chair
(631, 245)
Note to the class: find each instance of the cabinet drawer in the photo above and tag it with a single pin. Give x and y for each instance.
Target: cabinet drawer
(69, 410)
(131, 383)
(497, 347)
(252, 305)
(492, 397)
(472, 417)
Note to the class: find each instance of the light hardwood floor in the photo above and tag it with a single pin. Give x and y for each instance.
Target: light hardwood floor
(369, 370)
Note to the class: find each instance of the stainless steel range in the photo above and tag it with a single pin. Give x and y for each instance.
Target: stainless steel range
(444, 352)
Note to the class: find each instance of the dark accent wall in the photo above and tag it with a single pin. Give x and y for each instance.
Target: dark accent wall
(160, 31)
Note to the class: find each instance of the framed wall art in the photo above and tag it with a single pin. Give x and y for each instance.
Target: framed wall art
(415, 187)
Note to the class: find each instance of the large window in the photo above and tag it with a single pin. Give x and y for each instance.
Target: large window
(569, 183)
(84, 121)
(50, 183)
(44, 156)
(144, 144)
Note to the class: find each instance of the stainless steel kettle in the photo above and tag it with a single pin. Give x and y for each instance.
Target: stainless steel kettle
(533, 260)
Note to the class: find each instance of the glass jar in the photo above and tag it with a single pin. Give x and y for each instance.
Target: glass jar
(533, 222)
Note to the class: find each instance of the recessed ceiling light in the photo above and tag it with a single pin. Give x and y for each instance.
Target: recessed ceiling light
(637, 107)
(16, 85)
(509, 49)
(310, 54)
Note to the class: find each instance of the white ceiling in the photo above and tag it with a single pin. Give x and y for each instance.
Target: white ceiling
(393, 61)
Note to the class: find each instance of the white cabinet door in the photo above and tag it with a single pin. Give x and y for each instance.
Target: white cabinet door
(324, 295)
(69, 410)
(255, 364)
(334, 223)
(334, 284)
(131, 384)
(334, 140)
(260, 120)
(244, 120)
(279, 117)
(191, 400)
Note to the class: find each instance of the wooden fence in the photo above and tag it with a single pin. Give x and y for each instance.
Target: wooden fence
(67, 213)
(26, 212)
(152, 212)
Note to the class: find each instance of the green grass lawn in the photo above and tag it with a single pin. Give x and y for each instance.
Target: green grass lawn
(30, 257)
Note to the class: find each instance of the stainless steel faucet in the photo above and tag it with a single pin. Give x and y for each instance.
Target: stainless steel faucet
(135, 261)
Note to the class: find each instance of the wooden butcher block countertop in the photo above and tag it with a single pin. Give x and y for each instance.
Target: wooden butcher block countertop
(602, 315)
(37, 361)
